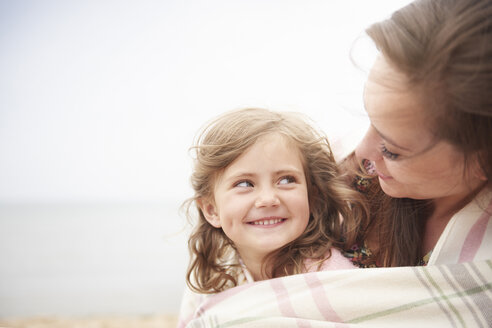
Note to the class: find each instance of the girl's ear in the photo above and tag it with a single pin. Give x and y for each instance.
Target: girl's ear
(209, 211)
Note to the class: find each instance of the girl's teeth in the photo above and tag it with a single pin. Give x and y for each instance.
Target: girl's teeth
(263, 222)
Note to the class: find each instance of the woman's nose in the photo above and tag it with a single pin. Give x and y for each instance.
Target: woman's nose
(369, 146)
(267, 197)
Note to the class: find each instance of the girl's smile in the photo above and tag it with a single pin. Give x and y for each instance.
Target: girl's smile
(267, 222)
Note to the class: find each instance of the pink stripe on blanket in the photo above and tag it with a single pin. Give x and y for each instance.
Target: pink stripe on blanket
(283, 302)
(321, 300)
(475, 237)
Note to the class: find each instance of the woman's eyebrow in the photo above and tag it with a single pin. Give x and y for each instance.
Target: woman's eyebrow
(389, 139)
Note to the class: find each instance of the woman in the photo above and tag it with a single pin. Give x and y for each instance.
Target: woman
(429, 143)
(428, 98)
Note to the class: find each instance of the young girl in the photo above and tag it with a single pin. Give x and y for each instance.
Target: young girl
(270, 203)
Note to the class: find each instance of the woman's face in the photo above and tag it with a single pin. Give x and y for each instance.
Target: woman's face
(408, 160)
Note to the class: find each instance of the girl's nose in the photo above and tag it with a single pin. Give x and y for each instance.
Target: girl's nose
(369, 146)
(267, 197)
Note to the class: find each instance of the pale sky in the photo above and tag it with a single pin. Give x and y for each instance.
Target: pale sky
(99, 100)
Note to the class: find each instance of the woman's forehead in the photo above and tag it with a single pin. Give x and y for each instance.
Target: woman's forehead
(395, 110)
(387, 94)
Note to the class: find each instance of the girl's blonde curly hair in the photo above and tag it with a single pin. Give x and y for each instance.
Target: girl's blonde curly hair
(222, 141)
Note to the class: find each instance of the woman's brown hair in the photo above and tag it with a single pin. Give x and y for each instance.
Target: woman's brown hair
(218, 145)
(444, 48)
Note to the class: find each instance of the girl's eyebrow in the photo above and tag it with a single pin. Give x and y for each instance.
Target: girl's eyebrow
(240, 175)
(389, 140)
(237, 175)
(288, 171)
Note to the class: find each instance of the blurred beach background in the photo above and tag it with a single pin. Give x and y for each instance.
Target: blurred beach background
(99, 103)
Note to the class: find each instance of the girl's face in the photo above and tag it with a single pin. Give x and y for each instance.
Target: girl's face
(261, 199)
(408, 160)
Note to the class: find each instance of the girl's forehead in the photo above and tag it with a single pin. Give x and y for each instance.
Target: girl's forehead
(266, 146)
(275, 137)
(262, 144)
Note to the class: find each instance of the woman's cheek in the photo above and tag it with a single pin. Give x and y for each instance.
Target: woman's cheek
(393, 169)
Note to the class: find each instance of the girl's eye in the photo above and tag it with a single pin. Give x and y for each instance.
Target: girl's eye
(243, 184)
(386, 153)
(286, 180)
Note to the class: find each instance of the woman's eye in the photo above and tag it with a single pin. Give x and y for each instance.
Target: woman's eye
(243, 184)
(386, 153)
(287, 180)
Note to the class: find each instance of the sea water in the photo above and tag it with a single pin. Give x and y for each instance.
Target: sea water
(91, 259)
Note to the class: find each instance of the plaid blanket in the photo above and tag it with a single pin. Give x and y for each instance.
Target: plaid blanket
(454, 290)
(458, 295)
